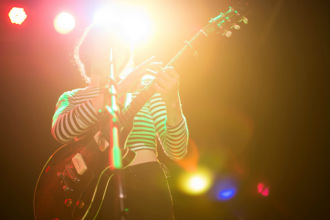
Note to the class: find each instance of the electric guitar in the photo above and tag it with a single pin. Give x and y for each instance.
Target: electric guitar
(74, 180)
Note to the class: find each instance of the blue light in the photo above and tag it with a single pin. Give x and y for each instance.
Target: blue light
(225, 188)
(226, 193)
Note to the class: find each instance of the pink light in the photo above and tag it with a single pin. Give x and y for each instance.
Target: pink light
(17, 15)
(262, 189)
(265, 192)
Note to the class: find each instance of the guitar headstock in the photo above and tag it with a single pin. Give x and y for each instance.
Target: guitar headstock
(224, 22)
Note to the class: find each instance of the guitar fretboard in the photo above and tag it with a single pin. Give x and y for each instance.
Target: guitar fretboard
(131, 110)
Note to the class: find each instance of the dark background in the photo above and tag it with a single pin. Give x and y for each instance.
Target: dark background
(256, 103)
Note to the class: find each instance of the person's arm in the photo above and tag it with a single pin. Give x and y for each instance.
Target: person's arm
(173, 112)
(166, 111)
(70, 121)
(173, 137)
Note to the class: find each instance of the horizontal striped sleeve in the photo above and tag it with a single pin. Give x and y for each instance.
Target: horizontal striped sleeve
(71, 120)
(174, 140)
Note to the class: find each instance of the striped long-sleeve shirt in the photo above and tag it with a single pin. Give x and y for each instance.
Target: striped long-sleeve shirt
(75, 115)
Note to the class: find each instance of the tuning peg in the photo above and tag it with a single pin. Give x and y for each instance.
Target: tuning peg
(228, 33)
(236, 27)
(245, 20)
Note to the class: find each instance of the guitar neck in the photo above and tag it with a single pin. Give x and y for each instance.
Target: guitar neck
(131, 110)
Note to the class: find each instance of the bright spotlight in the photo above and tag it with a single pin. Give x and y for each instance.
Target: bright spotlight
(64, 23)
(137, 26)
(104, 16)
(195, 183)
(17, 15)
(132, 22)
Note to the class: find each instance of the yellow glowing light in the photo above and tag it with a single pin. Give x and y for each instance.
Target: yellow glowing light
(64, 23)
(17, 15)
(197, 182)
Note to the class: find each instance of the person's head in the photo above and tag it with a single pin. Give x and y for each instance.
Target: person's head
(92, 51)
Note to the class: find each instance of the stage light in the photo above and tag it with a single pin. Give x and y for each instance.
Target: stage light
(105, 16)
(137, 26)
(195, 183)
(131, 22)
(64, 23)
(262, 189)
(17, 15)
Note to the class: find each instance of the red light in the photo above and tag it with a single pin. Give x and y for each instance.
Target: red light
(262, 189)
(17, 15)
(47, 169)
(265, 192)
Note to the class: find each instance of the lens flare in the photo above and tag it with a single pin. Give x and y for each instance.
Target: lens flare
(195, 183)
(262, 189)
(17, 15)
(64, 23)
(227, 193)
(133, 22)
(190, 161)
(225, 188)
(105, 16)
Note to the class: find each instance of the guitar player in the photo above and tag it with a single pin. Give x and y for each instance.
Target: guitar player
(148, 194)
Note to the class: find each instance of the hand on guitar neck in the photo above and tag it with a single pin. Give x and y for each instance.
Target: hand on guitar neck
(131, 83)
(166, 82)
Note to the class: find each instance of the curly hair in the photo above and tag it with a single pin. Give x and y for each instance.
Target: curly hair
(79, 57)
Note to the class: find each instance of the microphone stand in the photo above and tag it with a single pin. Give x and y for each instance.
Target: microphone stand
(115, 157)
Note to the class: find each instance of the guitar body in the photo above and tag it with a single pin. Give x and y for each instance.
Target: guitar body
(63, 194)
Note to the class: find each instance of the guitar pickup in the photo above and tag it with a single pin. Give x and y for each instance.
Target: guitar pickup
(79, 164)
(101, 142)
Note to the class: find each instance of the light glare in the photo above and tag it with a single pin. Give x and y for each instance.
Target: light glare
(225, 188)
(227, 193)
(195, 183)
(64, 23)
(104, 16)
(130, 21)
(17, 15)
(262, 189)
